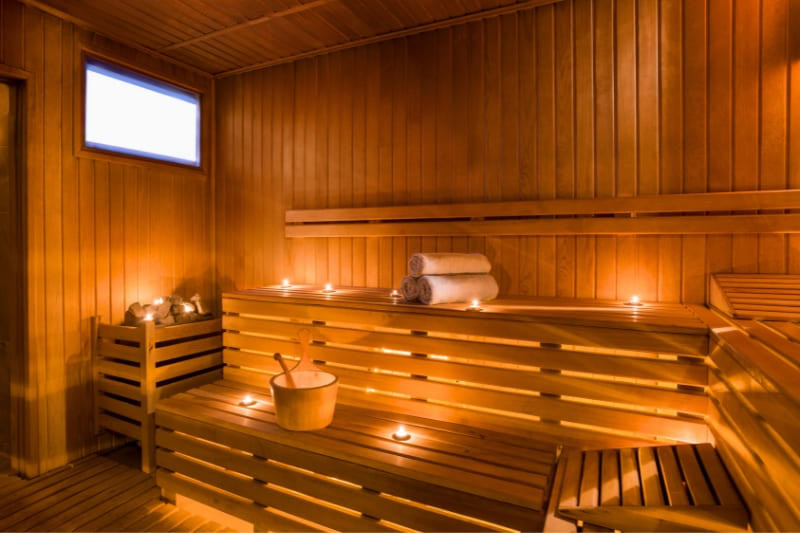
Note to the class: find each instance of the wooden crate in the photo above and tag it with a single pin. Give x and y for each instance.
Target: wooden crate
(134, 367)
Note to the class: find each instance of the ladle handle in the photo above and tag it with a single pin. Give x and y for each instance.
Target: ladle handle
(286, 371)
(304, 336)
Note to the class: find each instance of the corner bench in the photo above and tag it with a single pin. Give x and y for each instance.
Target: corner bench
(350, 476)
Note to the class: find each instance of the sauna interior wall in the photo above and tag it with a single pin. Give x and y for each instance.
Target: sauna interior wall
(101, 234)
(582, 99)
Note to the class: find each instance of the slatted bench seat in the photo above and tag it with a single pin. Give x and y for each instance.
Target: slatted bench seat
(664, 488)
(350, 476)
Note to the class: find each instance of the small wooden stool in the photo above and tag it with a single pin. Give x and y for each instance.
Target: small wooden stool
(664, 488)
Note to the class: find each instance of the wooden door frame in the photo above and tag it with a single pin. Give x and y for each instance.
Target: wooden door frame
(23, 423)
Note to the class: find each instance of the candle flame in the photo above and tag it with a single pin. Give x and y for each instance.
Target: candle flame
(158, 301)
(401, 433)
(285, 283)
(395, 294)
(148, 317)
(635, 299)
(188, 308)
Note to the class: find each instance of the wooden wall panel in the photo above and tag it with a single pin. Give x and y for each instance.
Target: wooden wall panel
(101, 234)
(585, 98)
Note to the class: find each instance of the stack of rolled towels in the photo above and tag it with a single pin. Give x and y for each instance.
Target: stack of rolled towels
(440, 278)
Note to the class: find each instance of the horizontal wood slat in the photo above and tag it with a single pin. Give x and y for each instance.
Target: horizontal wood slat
(188, 347)
(665, 203)
(649, 225)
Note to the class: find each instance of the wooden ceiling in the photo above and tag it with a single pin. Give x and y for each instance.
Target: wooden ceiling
(229, 36)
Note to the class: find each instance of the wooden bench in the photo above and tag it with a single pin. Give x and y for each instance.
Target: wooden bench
(664, 488)
(765, 296)
(487, 395)
(754, 416)
(351, 476)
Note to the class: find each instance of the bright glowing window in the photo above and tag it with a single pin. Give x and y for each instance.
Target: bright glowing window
(132, 114)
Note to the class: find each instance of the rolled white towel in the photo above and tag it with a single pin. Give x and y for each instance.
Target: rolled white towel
(445, 263)
(410, 288)
(456, 288)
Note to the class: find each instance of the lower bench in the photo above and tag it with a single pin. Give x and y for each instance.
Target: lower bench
(351, 476)
(664, 488)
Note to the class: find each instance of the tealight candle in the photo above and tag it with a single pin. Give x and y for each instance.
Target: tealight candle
(148, 317)
(248, 401)
(476, 306)
(158, 301)
(285, 283)
(401, 434)
(188, 308)
(635, 300)
(328, 288)
(395, 293)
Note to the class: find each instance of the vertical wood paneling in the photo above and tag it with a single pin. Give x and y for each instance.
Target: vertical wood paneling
(99, 235)
(585, 98)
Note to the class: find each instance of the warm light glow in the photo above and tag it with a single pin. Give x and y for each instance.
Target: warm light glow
(148, 317)
(328, 288)
(158, 301)
(475, 306)
(635, 300)
(248, 401)
(401, 434)
(370, 390)
(188, 308)
(395, 293)
(285, 283)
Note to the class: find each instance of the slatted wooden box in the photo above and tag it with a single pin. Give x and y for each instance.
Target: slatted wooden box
(134, 367)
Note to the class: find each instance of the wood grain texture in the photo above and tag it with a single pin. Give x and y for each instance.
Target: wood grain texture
(100, 235)
(230, 37)
(584, 99)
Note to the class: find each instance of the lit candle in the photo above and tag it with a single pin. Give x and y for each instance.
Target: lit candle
(634, 300)
(328, 288)
(401, 434)
(148, 317)
(395, 293)
(158, 301)
(285, 284)
(248, 401)
(476, 306)
(188, 308)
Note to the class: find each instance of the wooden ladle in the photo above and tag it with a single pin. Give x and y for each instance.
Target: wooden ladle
(304, 336)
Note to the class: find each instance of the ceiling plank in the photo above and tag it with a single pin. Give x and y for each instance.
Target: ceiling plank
(260, 20)
(92, 28)
(493, 12)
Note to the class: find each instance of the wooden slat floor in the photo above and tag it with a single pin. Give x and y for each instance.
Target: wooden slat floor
(97, 493)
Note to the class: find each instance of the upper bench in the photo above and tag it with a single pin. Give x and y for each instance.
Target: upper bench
(589, 371)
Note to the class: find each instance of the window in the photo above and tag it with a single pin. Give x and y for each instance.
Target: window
(129, 113)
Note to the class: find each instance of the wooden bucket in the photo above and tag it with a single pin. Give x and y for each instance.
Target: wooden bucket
(305, 396)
